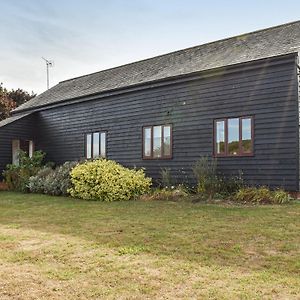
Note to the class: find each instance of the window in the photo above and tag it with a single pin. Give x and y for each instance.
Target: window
(157, 142)
(95, 145)
(233, 137)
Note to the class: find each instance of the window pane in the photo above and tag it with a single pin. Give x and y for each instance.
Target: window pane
(31, 148)
(167, 141)
(88, 146)
(246, 135)
(147, 142)
(233, 136)
(96, 148)
(157, 141)
(220, 137)
(103, 144)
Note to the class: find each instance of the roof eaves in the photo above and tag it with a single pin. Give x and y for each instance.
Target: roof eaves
(14, 118)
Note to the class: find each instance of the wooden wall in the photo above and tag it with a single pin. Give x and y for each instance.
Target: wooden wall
(265, 89)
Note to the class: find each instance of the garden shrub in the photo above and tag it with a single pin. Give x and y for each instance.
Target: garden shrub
(17, 177)
(59, 182)
(169, 194)
(205, 171)
(281, 197)
(211, 184)
(52, 182)
(36, 183)
(262, 195)
(230, 185)
(166, 178)
(106, 180)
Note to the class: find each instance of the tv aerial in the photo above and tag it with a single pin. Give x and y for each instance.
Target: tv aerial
(49, 64)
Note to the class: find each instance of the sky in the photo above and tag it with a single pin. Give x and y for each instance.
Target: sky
(85, 36)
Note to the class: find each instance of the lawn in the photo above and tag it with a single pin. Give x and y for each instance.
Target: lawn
(60, 248)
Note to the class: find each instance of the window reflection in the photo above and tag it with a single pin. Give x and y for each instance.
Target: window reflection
(103, 145)
(167, 140)
(157, 141)
(88, 146)
(246, 135)
(220, 137)
(147, 142)
(96, 144)
(233, 136)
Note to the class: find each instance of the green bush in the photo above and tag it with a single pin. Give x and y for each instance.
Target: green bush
(36, 183)
(211, 184)
(106, 180)
(230, 185)
(17, 177)
(280, 197)
(58, 182)
(262, 195)
(205, 171)
(52, 182)
(166, 178)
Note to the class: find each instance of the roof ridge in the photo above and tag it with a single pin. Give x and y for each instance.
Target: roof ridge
(184, 49)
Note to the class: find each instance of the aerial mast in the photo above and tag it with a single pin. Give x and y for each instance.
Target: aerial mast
(49, 64)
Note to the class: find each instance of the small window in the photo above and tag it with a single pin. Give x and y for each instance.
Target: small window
(95, 145)
(157, 142)
(233, 137)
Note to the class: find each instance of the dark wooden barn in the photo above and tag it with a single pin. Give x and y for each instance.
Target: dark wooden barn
(236, 99)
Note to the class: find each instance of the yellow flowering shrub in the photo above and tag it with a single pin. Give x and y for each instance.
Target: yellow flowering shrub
(106, 180)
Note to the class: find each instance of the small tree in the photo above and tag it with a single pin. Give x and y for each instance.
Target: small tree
(9, 100)
(20, 96)
(6, 103)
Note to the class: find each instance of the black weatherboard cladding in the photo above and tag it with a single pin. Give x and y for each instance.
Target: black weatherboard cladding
(298, 72)
(24, 128)
(266, 89)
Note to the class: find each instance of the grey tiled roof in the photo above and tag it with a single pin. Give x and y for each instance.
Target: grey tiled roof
(260, 44)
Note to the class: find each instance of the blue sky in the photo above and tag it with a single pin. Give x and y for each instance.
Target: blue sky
(88, 36)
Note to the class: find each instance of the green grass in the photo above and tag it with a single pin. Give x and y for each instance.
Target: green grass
(51, 247)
